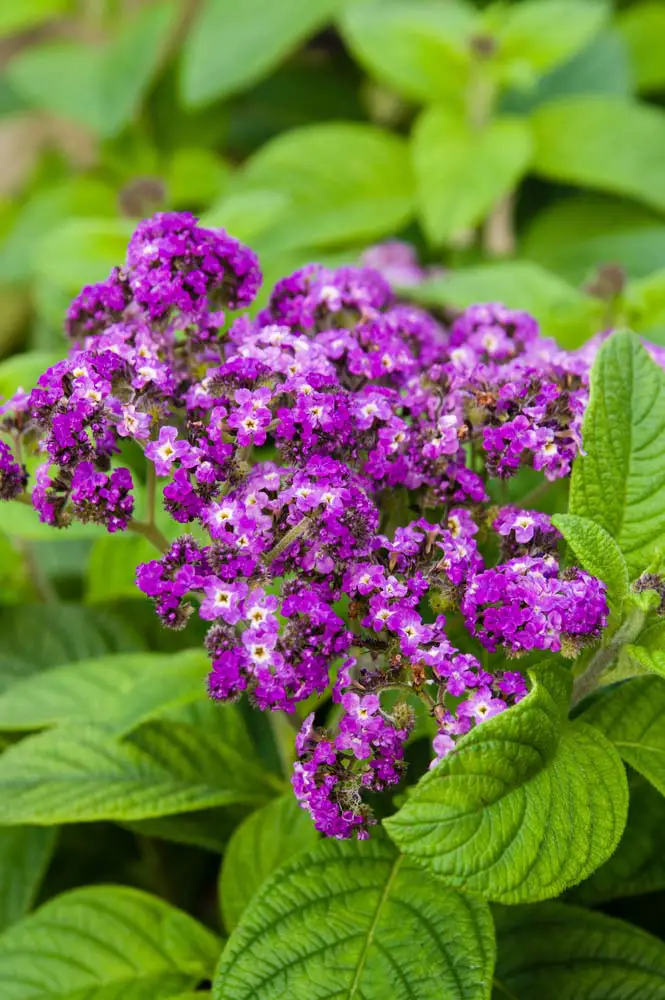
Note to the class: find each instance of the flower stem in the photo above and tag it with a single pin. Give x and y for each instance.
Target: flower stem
(151, 533)
(292, 534)
(605, 657)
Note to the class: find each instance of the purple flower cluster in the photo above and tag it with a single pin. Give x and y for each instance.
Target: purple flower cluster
(331, 461)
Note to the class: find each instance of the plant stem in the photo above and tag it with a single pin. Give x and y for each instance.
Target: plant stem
(292, 534)
(150, 493)
(605, 657)
(499, 229)
(151, 533)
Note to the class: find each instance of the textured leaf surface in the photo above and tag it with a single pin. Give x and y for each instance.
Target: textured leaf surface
(81, 774)
(232, 45)
(556, 951)
(528, 805)
(417, 48)
(632, 715)
(104, 943)
(342, 182)
(266, 839)
(649, 652)
(598, 554)
(602, 142)
(38, 636)
(25, 852)
(462, 172)
(638, 865)
(620, 480)
(356, 921)
(120, 691)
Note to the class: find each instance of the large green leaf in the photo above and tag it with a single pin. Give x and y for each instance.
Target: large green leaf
(648, 650)
(121, 691)
(526, 806)
(357, 920)
(462, 171)
(602, 142)
(632, 716)
(38, 636)
(575, 235)
(534, 36)
(25, 852)
(619, 480)
(99, 87)
(265, 840)
(27, 14)
(81, 251)
(556, 951)
(232, 45)
(83, 773)
(599, 554)
(643, 27)
(112, 566)
(418, 48)
(103, 943)
(342, 183)
(561, 309)
(638, 865)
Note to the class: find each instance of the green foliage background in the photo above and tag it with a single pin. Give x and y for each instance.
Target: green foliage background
(521, 148)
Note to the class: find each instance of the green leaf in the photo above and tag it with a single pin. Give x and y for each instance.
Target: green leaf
(342, 183)
(265, 840)
(536, 35)
(598, 554)
(461, 171)
(556, 951)
(632, 716)
(112, 567)
(575, 235)
(21, 371)
(131, 60)
(195, 177)
(637, 866)
(418, 48)
(526, 806)
(643, 27)
(83, 773)
(561, 309)
(81, 251)
(99, 87)
(38, 636)
(602, 142)
(619, 480)
(121, 691)
(247, 214)
(649, 650)
(357, 920)
(602, 67)
(103, 942)
(25, 852)
(231, 45)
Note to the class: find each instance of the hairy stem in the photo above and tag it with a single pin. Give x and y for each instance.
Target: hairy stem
(605, 657)
(292, 534)
(151, 533)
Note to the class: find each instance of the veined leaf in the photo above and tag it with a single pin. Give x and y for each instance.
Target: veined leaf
(526, 806)
(637, 866)
(76, 775)
(556, 950)
(25, 852)
(265, 840)
(619, 481)
(632, 716)
(357, 920)
(599, 554)
(105, 942)
(118, 691)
